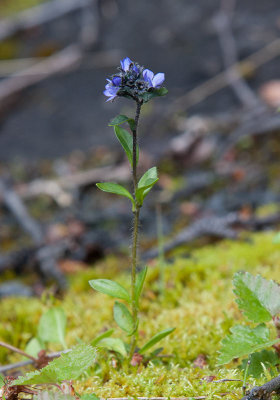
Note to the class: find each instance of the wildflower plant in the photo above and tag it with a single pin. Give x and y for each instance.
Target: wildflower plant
(140, 85)
(259, 300)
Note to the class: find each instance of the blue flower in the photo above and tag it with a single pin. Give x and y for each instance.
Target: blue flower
(134, 81)
(112, 87)
(154, 81)
(125, 64)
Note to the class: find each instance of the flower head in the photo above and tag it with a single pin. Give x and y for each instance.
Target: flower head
(134, 81)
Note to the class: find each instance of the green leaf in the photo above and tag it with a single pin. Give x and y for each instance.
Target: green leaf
(115, 188)
(118, 120)
(113, 344)
(2, 380)
(154, 93)
(89, 396)
(145, 184)
(259, 360)
(276, 238)
(103, 335)
(68, 366)
(243, 341)
(140, 279)
(52, 326)
(258, 298)
(34, 346)
(155, 339)
(111, 288)
(126, 140)
(123, 317)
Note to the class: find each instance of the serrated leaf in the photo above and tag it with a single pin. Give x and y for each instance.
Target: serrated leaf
(68, 366)
(155, 339)
(243, 341)
(115, 188)
(113, 344)
(126, 140)
(103, 335)
(145, 184)
(258, 298)
(266, 358)
(140, 279)
(52, 326)
(111, 288)
(34, 346)
(123, 317)
(2, 381)
(154, 93)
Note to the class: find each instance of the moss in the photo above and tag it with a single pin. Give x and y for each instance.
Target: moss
(9, 7)
(198, 301)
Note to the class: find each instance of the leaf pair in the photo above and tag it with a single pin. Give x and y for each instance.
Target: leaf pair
(118, 345)
(122, 315)
(145, 184)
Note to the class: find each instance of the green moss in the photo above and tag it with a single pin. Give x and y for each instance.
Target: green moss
(9, 7)
(198, 301)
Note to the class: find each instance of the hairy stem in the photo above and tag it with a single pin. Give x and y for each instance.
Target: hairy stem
(135, 234)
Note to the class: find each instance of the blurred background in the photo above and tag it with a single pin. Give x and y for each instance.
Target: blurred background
(214, 137)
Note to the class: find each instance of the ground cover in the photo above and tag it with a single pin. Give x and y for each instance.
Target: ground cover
(198, 301)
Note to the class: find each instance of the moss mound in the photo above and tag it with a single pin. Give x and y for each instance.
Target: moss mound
(198, 301)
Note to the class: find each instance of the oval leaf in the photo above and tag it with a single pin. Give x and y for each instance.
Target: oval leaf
(111, 288)
(52, 326)
(140, 279)
(123, 317)
(103, 335)
(113, 344)
(118, 120)
(126, 140)
(155, 339)
(115, 188)
(34, 346)
(145, 184)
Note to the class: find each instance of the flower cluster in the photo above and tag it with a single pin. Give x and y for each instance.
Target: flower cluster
(132, 81)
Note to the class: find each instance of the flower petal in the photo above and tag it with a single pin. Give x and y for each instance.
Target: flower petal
(158, 80)
(116, 80)
(111, 92)
(135, 69)
(148, 76)
(125, 63)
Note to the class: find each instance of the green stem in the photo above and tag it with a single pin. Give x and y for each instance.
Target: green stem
(135, 234)
(160, 249)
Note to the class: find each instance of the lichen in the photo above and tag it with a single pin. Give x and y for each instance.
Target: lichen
(198, 301)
